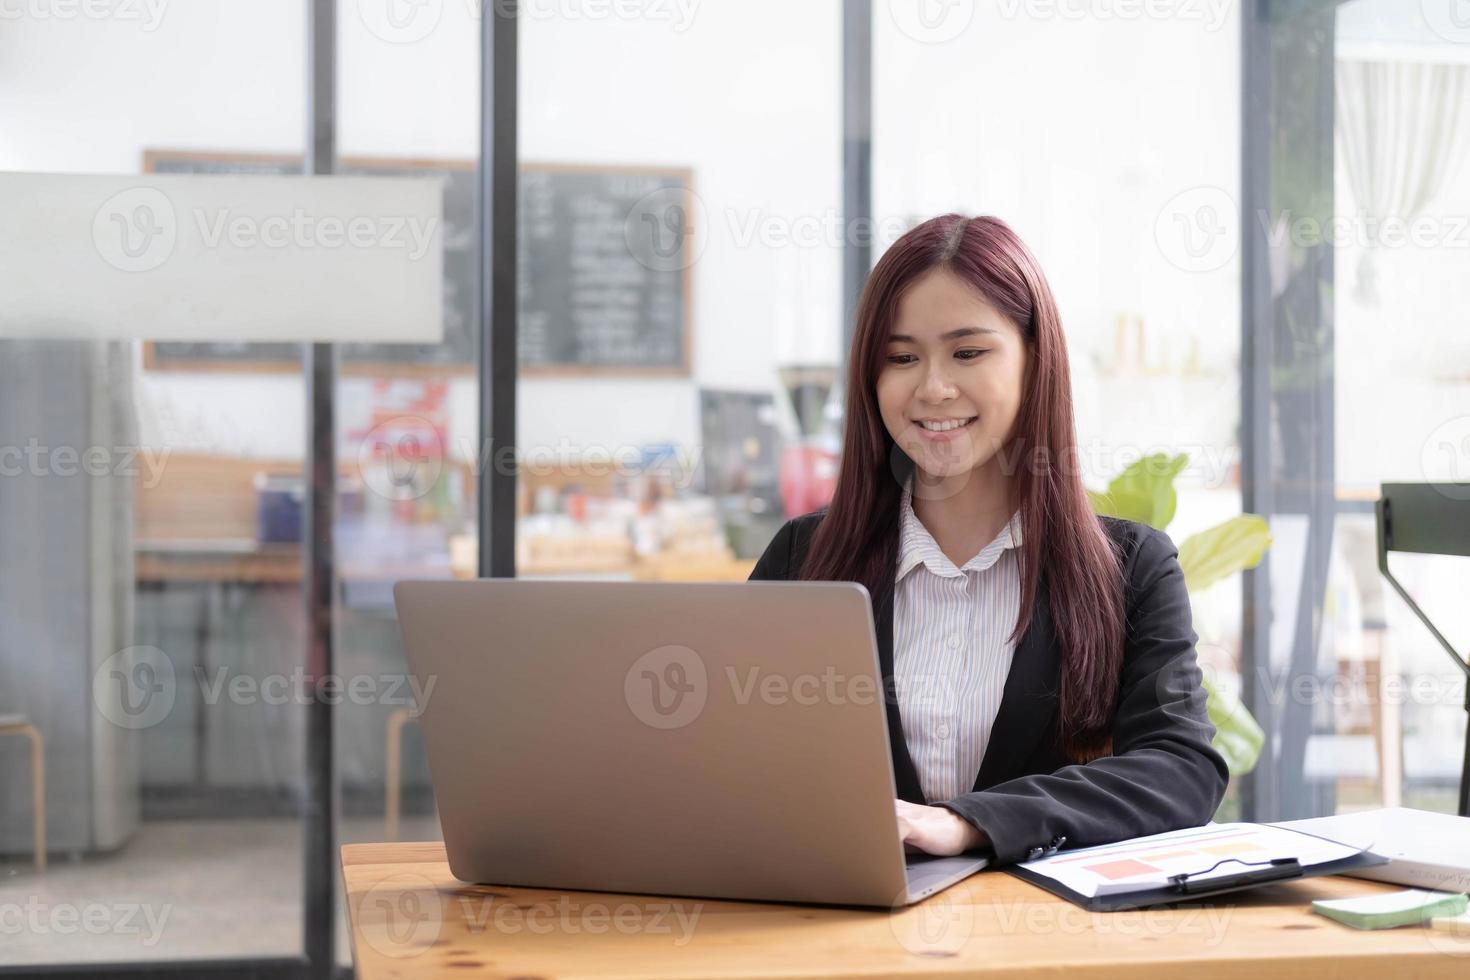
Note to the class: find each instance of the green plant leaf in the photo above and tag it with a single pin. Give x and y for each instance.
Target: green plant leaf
(1144, 492)
(1223, 550)
(1238, 738)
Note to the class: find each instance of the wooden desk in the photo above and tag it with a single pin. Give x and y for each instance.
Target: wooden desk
(239, 560)
(411, 918)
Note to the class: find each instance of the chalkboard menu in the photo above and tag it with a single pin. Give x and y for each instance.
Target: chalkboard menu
(604, 275)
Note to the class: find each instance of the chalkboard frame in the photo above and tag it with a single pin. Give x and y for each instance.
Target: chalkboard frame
(389, 369)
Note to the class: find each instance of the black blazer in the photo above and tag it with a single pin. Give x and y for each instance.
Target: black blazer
(1163, 773)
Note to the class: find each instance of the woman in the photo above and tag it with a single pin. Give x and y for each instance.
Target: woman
(1038, 660)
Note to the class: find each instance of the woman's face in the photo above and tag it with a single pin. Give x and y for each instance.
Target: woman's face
(950, 387)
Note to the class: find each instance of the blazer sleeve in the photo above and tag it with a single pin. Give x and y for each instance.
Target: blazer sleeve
(1164, 774)
(775, 562)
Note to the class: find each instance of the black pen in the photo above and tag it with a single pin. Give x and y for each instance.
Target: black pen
(1279, 868)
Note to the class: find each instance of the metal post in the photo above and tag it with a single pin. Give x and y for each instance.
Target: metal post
(319, 911)
(857, 161)
(1287, 373)
(499, 181)
(1257, 791)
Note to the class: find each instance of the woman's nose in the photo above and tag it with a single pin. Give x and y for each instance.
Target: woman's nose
(936, 385)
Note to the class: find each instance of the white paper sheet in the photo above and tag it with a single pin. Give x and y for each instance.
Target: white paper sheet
(1147, 862)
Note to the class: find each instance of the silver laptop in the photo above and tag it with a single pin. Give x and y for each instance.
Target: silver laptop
(714, 740)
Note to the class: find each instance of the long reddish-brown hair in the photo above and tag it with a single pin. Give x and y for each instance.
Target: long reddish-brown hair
(1063, 541)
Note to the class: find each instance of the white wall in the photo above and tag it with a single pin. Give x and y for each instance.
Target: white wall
(746, 95)
(1079, 132)
(1403, 358)
(1403, 355)
(1076, 131)
(88, 95)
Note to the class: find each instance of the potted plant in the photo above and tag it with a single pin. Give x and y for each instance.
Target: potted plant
(1144, 492)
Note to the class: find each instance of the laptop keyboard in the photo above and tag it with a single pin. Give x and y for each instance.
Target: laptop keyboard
(926, 870)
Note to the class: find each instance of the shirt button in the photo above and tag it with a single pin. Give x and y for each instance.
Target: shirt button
(953, 641)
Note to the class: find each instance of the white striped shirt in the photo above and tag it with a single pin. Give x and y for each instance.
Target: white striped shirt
(950, 649)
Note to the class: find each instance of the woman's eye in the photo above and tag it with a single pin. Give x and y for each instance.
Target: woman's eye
(969, 353)
(902, 359)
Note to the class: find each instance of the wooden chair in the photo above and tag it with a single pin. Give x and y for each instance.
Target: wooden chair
(18, 725)
(393, 777)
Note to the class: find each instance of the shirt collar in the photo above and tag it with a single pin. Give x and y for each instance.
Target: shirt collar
(917, 546)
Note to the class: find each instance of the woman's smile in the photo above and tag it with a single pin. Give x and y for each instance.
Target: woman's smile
(944, 429)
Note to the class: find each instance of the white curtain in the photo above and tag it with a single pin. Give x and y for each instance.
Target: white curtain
(1403, 129)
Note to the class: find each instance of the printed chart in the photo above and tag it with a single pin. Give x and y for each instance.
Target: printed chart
(1148, 862)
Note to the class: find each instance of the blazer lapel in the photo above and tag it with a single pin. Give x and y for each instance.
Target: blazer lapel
(1030, 700)
(905, 775)
(1028, 704)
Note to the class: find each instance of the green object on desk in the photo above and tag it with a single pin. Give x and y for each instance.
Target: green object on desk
(1390, 910)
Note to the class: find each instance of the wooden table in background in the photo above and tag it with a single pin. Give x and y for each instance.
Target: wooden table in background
(411, 918)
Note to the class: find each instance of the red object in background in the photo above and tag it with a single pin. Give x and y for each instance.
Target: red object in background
(406, 417)
(808, 479)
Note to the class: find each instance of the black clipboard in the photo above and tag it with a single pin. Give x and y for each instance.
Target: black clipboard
(1282, 869)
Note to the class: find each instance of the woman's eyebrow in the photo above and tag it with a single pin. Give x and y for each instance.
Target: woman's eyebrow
(903, 338)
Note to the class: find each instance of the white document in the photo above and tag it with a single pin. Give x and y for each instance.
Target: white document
(1144, 863)
(1425, 849)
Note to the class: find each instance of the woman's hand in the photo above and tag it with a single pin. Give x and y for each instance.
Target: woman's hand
(935, 830)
